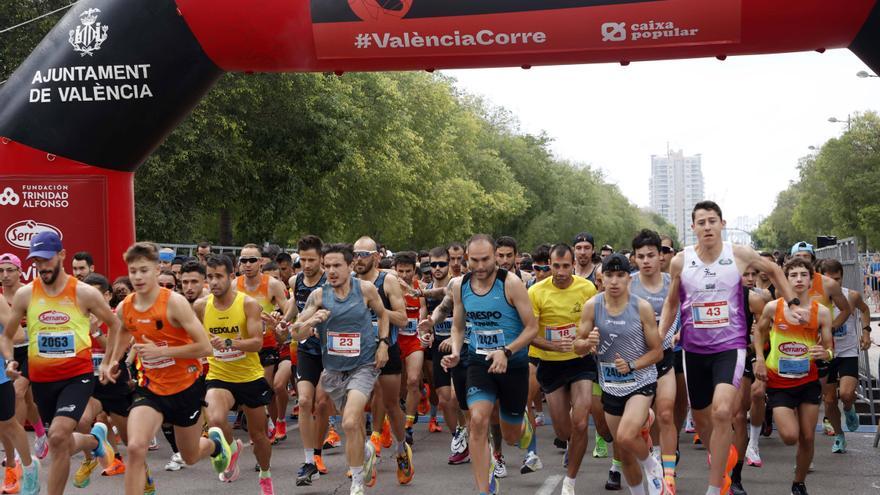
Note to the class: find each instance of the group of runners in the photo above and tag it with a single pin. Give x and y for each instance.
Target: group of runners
(475, 332)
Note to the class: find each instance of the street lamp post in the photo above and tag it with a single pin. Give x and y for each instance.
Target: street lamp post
(864, 74)
(848, 121)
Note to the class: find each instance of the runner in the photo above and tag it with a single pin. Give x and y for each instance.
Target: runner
(826, 291)
(793, 389)
(387, 391)
(652, 285)
(843, 370)
(58, 307)
(457, 259)
(506, 254)
(169, 340)
(12, 433)
(353, 352)
(25, 408)
(667, 251)
(583, 250)
(193, 281)
(621, 330)
(270, 294)
(314, 404)
(203, 249)
(502, 327)
(408, 336)
(234, 326)
(706, 281)
(82, 265)
(566, 378)
(541, 268)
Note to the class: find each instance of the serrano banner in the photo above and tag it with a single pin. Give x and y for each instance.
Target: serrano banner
(114, 77)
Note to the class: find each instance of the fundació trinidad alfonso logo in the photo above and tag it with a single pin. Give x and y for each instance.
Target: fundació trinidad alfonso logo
(380, 10)
(20, 233)
(89, 36)
(8, 197)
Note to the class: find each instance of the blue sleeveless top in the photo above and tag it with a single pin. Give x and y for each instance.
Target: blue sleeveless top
(492, 321)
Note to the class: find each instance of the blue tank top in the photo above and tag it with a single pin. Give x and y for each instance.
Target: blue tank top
(621, 334)
(380, 284)
(492, 322)
(656, 299)
(347, 338)
(301, 293)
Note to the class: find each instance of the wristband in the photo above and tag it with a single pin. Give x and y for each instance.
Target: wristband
(867, 328)
(632, 366)
(830, 354)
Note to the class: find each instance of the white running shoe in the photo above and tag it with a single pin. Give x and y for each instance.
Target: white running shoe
(176, 463)
(753, 456)
(500, 467)
(531, 463)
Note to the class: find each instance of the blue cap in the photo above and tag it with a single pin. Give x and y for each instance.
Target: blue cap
(802, 246)
(46, 244)
(166, 256)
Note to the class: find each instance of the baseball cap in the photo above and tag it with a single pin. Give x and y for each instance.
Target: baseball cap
(607, 247)
(425, 267)
(166, 254)
(616, 262)
(583, 237)
(46, 244)
(10, 258)
(802, 246)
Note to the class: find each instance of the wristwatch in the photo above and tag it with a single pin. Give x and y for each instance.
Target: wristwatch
(386, 340)
(867, 328)
(632, 365)
(794, 302)
(228, 342)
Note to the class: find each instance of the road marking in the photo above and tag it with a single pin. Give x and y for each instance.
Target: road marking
(549, 485)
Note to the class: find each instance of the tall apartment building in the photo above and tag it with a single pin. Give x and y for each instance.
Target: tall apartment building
(676, 186)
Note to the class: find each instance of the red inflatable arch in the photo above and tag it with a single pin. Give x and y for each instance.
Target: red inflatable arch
(114, 77)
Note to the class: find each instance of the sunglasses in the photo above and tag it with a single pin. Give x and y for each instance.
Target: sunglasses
(666, 250)
(363, 254)
(541, 268)
(248, 260)
(439, 264)
(167, 286)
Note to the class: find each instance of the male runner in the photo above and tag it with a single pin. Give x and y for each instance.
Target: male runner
(234, 326)
(667, 251)
(706, 282)
(583, 251)
(203, 249)
(826, 291)
(843, 370)
(169, 340)
(339, 314)
(192, 281)
(82, 265)
(387, 391)
(314, 404)
(457, 259)
(408, 337)
(541, 268)
(496, 307)
(566, 378)
(652, 285)
(621, 330)
(505, 255)
(58, 307)
(793, 389)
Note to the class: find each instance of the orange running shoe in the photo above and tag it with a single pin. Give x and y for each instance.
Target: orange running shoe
(732, 458)
(376, 440)
(386, 435)
(11, 480)
(118, 467)
(319, 463)
(280, 430)
(433, 427)
(332, 439)
(424, 404)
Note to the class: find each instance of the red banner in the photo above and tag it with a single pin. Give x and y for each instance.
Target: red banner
(72, 206)
(396, 32)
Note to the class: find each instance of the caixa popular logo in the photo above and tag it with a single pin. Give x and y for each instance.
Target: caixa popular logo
(53, 317)
(20, 233)
(793, 348)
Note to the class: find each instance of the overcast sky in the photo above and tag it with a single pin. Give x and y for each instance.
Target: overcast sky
(751, 117)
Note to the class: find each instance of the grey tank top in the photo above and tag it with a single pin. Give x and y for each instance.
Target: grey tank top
(656, 299)
(348, 340)
(621, 334)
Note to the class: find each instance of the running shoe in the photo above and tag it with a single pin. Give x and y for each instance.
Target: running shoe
(531, 463)
(307, 474)
(266, 487)
(601, 449)
(356, 489)
(154, 445)
(370, 463)
(11, 482)
(376, 440)
(839, 446)
(459, 440)
(408, 436)
(386, 434)
(319, 463)
(433, 426)
(405, 468)
(104, 451)
(736, 488)
(232, 472)
(149, 483)
(82, 477)
(613, 482)
(176, 463)
(767, 426)
(560, 444)
(539, 419)
(424, 406)
(565, 460)
(798, 489)
(689, 426)
(567, 486)
(280, 431)
(31, 478)
(852, 419)
(732, 458)
(654, 479)
(500, 467)
(332, 440)
(457, 458)
(115, 469)
(669, 482)
(41, 446)
(494, 484)
(827, 428)
(220, 462)
(753, 456)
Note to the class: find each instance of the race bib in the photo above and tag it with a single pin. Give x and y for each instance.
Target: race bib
(54, 345)
(615, 378)
(97, 357)
(444, 328)
(560, 332)
(839, 332)
(345, 344)
(489, 340)
(158, 363)
(794, 367)
(710, 314)
(228, 354)
(411, 328)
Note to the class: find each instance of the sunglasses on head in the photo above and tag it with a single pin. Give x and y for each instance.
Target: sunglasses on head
(167, 286)
(541, 268)
(363, 254)
(666, 250)
(248, 260)
(439, 264)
